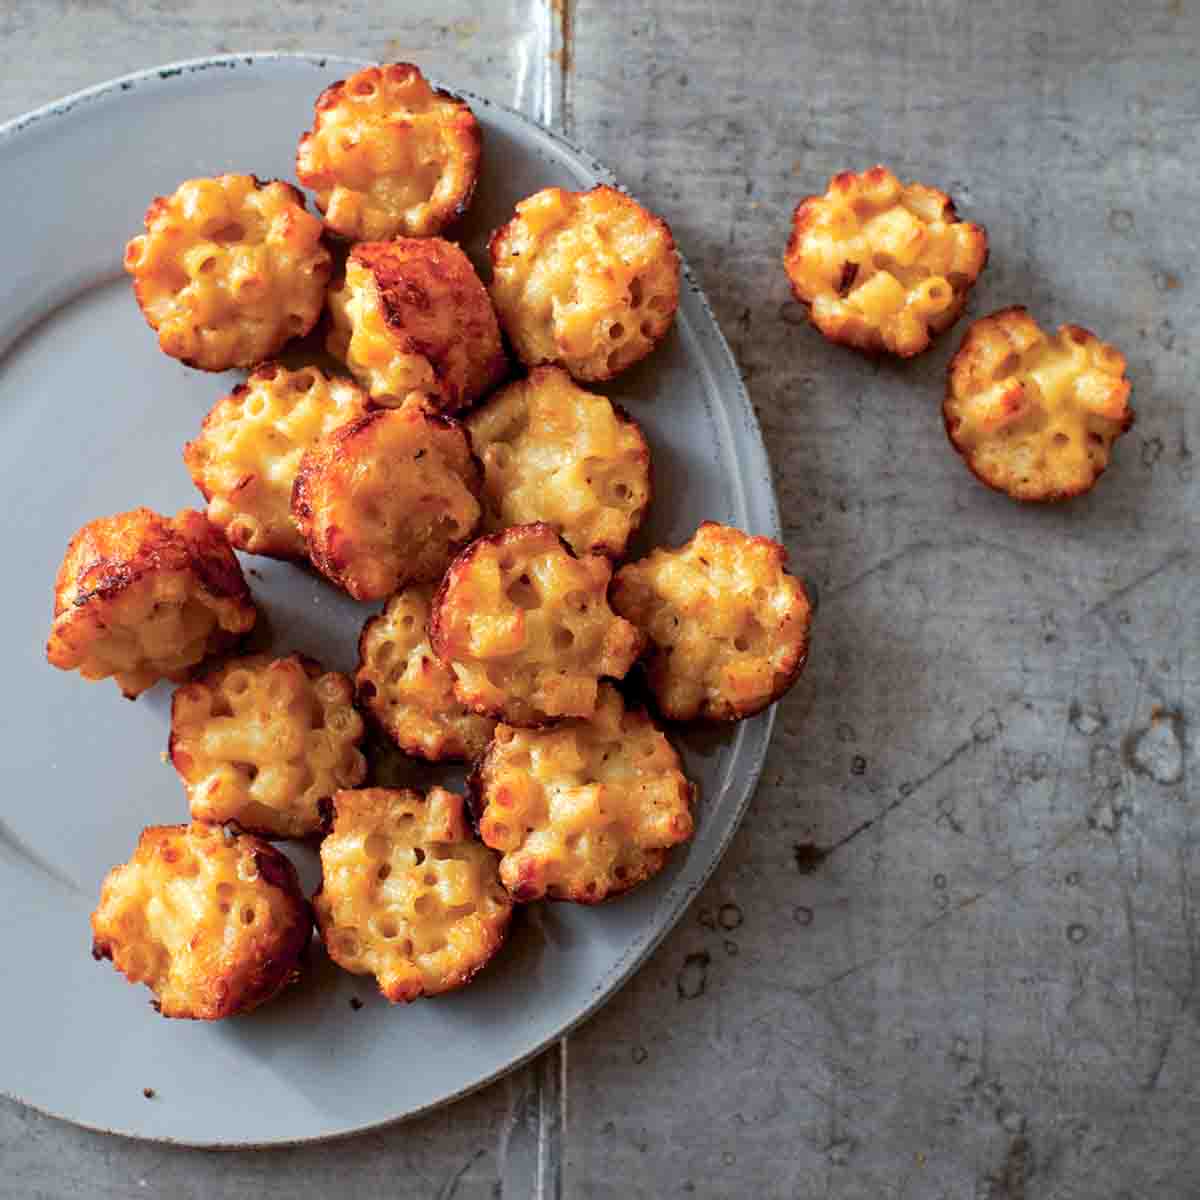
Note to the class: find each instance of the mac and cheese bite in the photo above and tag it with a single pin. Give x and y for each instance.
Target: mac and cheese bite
(408, 690)
(526, 628)
(553, 452)
(228, 270)
(263, 742)
(407, 894)
(141, 597)
(411, 316)
(881, 265)
(583, 810)
(588, 280)
(249, 449)
(389, 155)
(1035, 416)
(387, 500)
(728, 626)
(211, 920)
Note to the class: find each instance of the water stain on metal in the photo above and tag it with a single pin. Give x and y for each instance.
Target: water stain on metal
(808, 857)
(1157, 751)
(693, 977)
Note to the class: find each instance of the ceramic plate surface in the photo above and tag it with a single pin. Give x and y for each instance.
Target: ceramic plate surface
(93, 418)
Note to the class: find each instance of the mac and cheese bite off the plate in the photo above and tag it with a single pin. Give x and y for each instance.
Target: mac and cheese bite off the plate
(408, 690)
(211, 920)
(141, 597)
(388, 155)
(587, 280)
(727, 625)
(1035, 416)
(387, 500)
(228, 270)
(526, 628)
(407, 894)
(248, 451)
(582, 810)
(880, 265)
(553, 452)
(264, 742)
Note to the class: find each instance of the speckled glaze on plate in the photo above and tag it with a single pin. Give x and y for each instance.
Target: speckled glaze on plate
(94, 420)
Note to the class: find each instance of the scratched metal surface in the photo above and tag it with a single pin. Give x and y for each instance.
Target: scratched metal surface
(953, 952)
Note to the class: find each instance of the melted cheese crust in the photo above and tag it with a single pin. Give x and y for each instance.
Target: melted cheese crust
(407, 894)
(388, 155)
(526, 628)
(553, 452)
(1034, 416)
(881, 265)
(728, 625)
(409, 690)
(263, 742)
(387, 500)
(249, 449)
(140, 597)
(228, 270)
(411, 316)
(211, 921)
(586, 809)
(589, 280)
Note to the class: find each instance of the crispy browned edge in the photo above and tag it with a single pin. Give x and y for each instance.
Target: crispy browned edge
(396, 277)
(210, 418)
(316, 459)
(155, 209)
(496, 251)
(645, 455)
(463, 977)
(456, 568)
(469, 129)
(1052, 497)
(476, 806)
(651, 652)
(313, 669)
(266, 979)
(802, 218)
(367, 707)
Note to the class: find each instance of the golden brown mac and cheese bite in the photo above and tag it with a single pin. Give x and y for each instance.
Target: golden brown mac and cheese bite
(526, 628)
(881, 265)
(728, 626)
(249, 449)
(264, 742)
(408, 690)
(583, 810)
(387, 500)
(1035, 416)
(140, 597)
(228, 270)
(589, 280)
(212, 921)
(389, 155)
(407, 894)
(412, 316)
(553, 452)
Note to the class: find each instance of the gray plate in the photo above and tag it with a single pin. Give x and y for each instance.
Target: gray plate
(93, 420)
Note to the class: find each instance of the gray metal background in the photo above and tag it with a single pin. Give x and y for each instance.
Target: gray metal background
(953, 951)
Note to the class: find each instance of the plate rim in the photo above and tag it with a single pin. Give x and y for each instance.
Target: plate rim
(760, 464)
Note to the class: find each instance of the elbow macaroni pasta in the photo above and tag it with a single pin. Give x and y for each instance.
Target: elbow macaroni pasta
(1033, 416)
(882, 265)
(264, 743)
(407, 894)
(248, 452)
(553, 452)
(228, 270)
